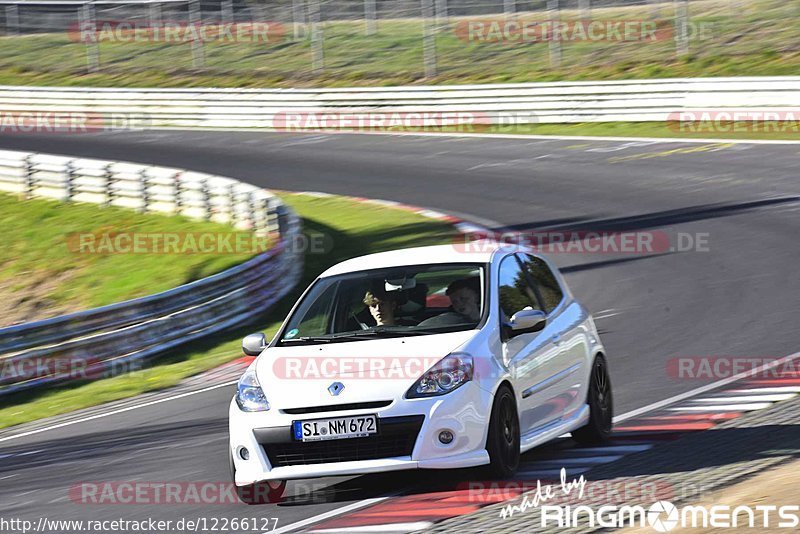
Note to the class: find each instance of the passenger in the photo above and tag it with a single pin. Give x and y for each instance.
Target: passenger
(465, 299)
(465, 296)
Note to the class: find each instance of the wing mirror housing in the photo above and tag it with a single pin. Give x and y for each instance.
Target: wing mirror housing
(254, 344)
(525, 321)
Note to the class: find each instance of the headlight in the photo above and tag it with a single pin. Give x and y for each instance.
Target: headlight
(249, 395)
(450, 373)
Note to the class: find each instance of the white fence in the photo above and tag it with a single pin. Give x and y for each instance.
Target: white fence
(110, 337)
(637, 101)
(141, 187)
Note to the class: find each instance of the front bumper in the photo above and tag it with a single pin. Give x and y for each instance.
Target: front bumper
(465, 412)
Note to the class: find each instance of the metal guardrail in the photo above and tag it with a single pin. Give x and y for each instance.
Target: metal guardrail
(113, 335)
(630, 100)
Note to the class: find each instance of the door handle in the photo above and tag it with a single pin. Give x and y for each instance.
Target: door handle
(557, 339)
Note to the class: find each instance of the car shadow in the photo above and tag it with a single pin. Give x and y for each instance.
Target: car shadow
(702, 452)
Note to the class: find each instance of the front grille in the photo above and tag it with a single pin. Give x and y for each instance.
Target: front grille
(396, 437)
(338, 407)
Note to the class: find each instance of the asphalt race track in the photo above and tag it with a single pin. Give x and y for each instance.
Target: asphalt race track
(737, 298)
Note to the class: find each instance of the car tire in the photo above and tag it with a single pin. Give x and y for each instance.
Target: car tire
(259, 493)
(502, 442)
(601, 406)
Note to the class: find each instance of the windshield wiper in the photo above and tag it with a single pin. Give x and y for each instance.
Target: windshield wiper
(363, 334)
(332, 338)
(444, 329)
(313, 339)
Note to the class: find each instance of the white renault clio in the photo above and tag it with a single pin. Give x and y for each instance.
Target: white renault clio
(434, 357)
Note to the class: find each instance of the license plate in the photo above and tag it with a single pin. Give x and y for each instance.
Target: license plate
(358, 426)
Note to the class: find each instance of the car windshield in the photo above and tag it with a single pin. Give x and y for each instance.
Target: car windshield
(390, 302)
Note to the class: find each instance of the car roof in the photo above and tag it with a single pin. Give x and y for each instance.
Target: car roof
(468, 252)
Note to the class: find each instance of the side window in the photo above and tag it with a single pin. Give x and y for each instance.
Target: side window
(513, 289)
(545, 281)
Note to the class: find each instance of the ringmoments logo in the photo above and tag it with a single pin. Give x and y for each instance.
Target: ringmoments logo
(664, 516)
(559, 505)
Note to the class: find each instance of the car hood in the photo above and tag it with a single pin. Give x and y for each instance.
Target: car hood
(370, 370)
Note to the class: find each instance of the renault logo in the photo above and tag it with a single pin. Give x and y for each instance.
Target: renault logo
(335, 388)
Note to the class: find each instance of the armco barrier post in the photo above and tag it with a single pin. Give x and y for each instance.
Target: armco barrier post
(370, 17)
(428, 39)
(108, 174)
(655, 11)
(226, 11)
(29, 179)
(272, 210)
(12, 19)
(298, 19)
(232, 204)
(317, 37)
(154, 14)
(554, 9)
(585, 7)
(282, 220)
(267, 212)
(251, 210)
(177, 192)
(88, 20)
(196, 19)
(442, 15)
(69, 181)
(206, 192)
(681, 27)
(144, 185)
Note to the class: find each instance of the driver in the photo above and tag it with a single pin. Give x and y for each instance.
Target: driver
(382, 306)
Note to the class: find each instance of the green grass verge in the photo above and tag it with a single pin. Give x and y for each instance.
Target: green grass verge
(754, 38)
(352, 229)
(788, 130)
(41, 275)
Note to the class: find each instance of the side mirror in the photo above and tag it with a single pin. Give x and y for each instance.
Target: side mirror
(527, 320)
(254, 344)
